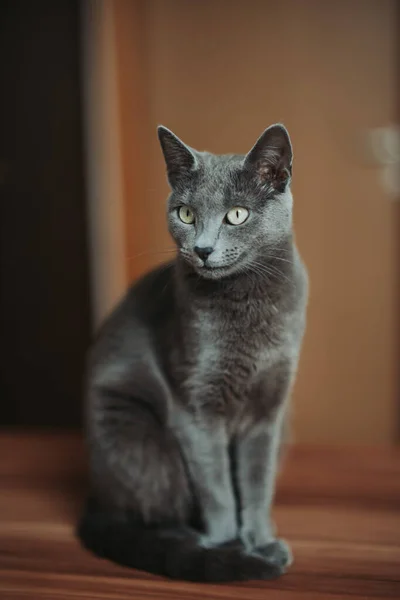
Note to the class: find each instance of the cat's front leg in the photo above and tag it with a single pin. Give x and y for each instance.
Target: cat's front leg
(204, 445)
(257, 457)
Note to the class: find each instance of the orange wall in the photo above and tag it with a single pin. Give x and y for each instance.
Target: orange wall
(217, 72)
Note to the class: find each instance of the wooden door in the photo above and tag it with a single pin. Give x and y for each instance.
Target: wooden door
(218, 72)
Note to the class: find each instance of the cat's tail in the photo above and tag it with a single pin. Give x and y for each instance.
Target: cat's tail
(171, 552)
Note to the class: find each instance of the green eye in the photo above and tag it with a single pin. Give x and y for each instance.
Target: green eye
(186, 215)
(237, 215)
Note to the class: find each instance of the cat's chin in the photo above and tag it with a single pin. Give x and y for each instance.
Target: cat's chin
(213, 272)
(216, 272)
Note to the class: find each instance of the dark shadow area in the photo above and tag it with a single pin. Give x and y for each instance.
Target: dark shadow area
(44, 271)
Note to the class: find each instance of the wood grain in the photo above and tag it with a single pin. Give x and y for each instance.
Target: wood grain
(339, 508)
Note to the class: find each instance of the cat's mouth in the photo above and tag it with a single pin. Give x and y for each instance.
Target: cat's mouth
(207, 269)
(215, 271)
(214, 267)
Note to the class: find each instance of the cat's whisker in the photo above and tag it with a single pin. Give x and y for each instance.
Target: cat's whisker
(260, 266)
(270, 270)
(255, 269)
(279, 272)
(281, 251)
(257, 273)
(251, 274)
(273, 257)
(268, 274)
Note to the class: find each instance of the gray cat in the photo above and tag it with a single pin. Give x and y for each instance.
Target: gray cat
(190, 377)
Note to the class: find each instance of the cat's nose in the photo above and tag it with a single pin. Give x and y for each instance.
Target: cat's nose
(204, 253)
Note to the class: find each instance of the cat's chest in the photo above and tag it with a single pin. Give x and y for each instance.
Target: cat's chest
(227, 355)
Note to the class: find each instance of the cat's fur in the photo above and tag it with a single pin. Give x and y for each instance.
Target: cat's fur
(189, 378)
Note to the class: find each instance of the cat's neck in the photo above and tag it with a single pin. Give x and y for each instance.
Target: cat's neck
(267, 276)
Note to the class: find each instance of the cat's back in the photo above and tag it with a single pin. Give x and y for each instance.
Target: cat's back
(129, 334)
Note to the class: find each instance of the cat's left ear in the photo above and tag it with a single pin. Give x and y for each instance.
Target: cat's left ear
(271, 157)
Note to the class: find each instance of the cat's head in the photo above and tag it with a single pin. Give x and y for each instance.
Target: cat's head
(225, 211)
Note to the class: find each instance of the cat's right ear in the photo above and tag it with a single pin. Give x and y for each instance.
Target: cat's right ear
(179, 158)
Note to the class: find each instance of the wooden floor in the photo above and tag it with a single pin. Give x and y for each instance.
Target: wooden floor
(340, 509)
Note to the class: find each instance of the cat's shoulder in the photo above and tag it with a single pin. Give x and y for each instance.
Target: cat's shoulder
(151, 284)
(143, 298)
(127, 331)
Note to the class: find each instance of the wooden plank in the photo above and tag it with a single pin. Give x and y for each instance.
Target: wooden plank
(338, 508)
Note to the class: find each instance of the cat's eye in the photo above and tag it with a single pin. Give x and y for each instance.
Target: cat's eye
(237, 215)
(186, 215)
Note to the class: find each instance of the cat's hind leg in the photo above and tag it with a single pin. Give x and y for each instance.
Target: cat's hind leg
(141, 501)
(136, 464)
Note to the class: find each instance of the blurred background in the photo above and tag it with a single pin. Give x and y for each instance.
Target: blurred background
(82, 183)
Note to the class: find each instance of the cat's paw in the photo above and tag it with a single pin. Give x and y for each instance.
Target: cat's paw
(220, 531)
(277, 553)
(256, 529)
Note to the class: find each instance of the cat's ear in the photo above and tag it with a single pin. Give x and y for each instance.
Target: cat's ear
(179, 158)
(271, 157)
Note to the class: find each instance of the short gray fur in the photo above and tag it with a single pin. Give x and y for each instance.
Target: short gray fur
(190, 377)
